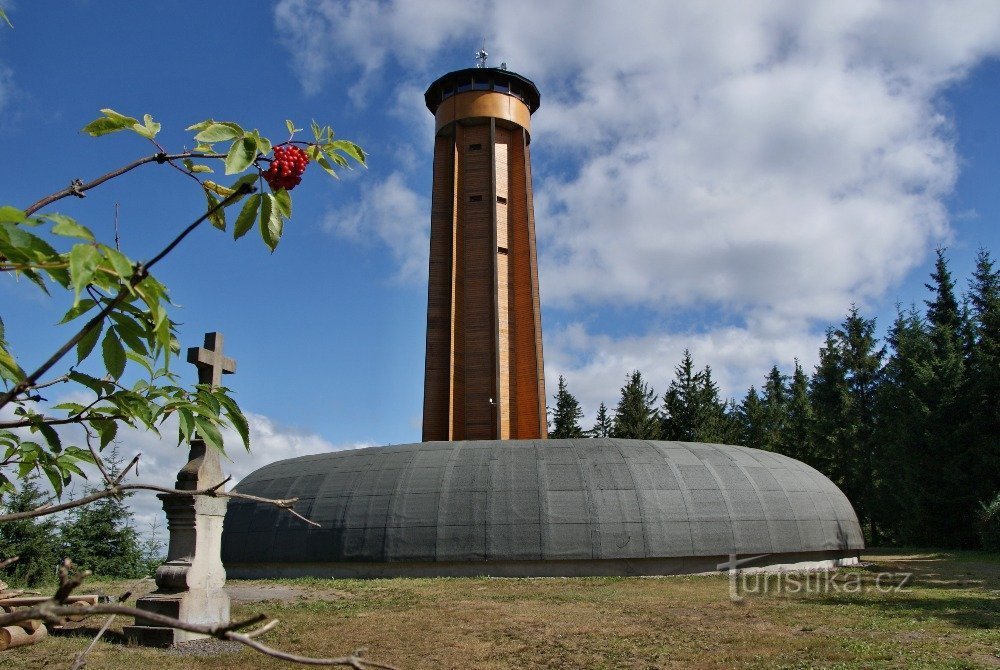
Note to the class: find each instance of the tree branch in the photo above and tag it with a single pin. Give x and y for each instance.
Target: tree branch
(117, 489)
(78, 188)
(140, 272)
(52, 612)
(52, 421)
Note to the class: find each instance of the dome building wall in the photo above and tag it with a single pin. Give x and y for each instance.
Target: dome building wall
(534, 507)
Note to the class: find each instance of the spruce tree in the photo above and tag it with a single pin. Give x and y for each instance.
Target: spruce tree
(980, 395)
(100, 537)
(692, 408)
(636, 416)
(950, 523)
(828, 396)
(775, 407)
(904, 413)
(861, 455)
(751, 420)
(796, 436)
(33, 540)
(680, 402)
(567, 414)
(604, 425)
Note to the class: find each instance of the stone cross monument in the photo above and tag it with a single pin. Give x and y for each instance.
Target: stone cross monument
(190, 584)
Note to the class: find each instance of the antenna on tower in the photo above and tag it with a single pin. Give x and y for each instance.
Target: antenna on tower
(481, 55)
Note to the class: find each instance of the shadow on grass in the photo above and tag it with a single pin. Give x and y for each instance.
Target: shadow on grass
(977, 612)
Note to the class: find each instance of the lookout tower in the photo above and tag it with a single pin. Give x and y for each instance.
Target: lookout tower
(483, 374)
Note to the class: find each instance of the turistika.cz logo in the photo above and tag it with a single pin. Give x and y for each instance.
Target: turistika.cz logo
(746, 581)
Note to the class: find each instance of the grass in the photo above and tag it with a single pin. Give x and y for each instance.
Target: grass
(946, 618)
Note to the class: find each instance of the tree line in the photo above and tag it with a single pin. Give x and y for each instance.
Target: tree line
(908, 426)
(101, 537)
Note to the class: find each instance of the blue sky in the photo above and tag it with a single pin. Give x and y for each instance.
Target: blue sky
(724, 177)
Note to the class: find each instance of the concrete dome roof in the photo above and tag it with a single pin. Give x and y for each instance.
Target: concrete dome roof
(497, 505)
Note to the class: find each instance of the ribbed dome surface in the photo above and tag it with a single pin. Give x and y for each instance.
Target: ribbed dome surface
(503, 501)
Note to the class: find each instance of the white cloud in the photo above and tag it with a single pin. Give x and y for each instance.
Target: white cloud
(161, 457)
(771, 161)
(595, 365)
(393, 214)
(369, 33)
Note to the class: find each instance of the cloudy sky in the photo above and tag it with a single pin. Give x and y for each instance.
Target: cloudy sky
(727, 177)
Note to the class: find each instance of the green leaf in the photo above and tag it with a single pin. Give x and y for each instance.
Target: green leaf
(218, 189)
(111, 122)
(122, 265)
(325, 164)
(270, 221)
(201, 125)
(114, 354)
(284, 200)
(3, 15)
(86, 344)
(10, 214)
(131, 339)
(317, 131)
(209, 432)
(76, 310)
(247, 217)
(218, 217)
(83, 260)
(263, 144)
(235, 416)
(351, 149)
(217, 132)
(148, 129)
(51, 436)
(241, 155)
(141, 360)
(67, 227)
(107, 429)
(195, 167)
(290, 126)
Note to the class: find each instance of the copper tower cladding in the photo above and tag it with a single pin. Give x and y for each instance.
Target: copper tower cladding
(483, 375)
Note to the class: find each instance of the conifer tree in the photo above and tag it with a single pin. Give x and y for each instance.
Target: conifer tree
(100, 537)
(33, 540)
(796, 436)
(567, 414)
(775, 408)
(903, 428)
(981, 391)
(954, 460)
(828, 396)
(604, 425)
(751, 419)
(636, 416)
(692, 408)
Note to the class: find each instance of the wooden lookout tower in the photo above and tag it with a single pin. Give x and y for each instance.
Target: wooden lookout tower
(483, 376)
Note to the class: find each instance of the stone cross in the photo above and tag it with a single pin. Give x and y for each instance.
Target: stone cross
(210, 361)
(191, 583)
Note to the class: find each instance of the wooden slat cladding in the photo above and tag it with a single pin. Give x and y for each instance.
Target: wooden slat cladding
(484, 372)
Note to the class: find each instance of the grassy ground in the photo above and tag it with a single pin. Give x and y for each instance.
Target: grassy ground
(947, 617)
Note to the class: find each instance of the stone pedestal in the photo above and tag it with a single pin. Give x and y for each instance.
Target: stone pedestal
(190, 584)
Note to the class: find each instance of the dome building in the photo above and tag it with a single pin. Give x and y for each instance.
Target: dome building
(537, 508)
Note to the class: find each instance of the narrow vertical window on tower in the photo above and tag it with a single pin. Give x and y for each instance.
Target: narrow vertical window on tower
(483, 373)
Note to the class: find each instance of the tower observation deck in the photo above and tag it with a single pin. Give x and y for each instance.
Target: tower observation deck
(484, 376)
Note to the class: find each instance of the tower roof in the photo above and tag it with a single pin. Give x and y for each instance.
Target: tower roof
(482, 79)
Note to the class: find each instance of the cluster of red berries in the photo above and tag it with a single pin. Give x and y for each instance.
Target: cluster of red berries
(286, 168)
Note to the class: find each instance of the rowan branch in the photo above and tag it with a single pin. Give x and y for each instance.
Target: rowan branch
(140, 272)
(117, 489)
(53, 612)
(78, 188)
(52, 421)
